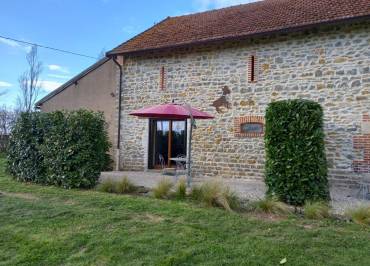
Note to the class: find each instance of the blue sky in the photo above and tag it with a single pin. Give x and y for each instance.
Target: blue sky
(80, 26)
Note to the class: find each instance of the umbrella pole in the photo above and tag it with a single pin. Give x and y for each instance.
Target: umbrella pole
(188, 177)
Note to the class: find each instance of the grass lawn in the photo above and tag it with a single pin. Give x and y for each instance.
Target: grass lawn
(52, 226)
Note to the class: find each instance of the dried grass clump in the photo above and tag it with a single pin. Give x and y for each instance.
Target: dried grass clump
(120, 186)
(316, 210)
(106, 185)
(162, 189)
(271, 205)
(180, 192)
(214, 194)
(125, 186)
(360, 215)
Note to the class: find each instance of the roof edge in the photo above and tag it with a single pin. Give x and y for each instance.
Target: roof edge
(71, 81)
(246, 36)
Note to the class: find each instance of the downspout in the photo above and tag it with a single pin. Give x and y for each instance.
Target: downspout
(119, 114)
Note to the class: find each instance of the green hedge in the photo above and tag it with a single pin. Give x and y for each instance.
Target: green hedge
(67, 149)
(296, 168)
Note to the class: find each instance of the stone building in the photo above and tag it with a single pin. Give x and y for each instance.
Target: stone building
(232, 63)
(250, 55)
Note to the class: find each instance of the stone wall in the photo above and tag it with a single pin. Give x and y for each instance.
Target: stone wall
(329, 65)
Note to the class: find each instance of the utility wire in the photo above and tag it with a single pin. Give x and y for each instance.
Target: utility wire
(47, 47)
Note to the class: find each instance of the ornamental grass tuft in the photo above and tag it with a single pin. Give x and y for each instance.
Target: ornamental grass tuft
(180, 192)
(106, 185)
(163, 189)
(116, 186)
(270, 205)
(213, 193)
(316, 210)
(360, 215)
(125, 186)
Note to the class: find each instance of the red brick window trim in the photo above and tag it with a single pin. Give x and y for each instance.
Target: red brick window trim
(162, 79)
(254, 123)
(252, 68)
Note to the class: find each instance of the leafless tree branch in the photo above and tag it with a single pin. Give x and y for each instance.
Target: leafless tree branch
(29, 82)
(7, 118)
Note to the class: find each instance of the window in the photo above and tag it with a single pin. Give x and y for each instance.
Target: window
(252, 66)
(249, 126)
(162, 78)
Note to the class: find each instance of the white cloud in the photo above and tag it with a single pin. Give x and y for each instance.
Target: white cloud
(130, 29)
(49, 85)
(9, 42)
(5, 84)
(58, 68)
(15, 44)
(59, 76)
(202, 5)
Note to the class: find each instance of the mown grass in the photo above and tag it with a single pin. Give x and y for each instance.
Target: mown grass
(42, 225)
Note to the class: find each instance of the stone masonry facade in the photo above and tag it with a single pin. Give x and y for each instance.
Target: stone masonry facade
(330, 65)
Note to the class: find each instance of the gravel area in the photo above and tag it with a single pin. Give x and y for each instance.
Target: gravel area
(342, 198)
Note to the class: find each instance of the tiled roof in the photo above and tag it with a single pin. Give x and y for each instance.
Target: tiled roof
(244, 21)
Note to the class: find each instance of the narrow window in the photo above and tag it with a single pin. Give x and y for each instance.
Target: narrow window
(162, 79)
(252, 69)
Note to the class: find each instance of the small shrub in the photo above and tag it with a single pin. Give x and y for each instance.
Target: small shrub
(213, 193)
(107, 185)
(180, 192)
(270, 205)
(124, 186)
(360, 215)
(162, 189)
(316, 210)
(296, 167)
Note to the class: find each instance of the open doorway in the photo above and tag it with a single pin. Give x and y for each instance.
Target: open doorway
(167, 139)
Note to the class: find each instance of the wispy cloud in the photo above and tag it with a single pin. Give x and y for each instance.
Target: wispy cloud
(202, 5)
(15, 44)
(59, 76)
(49, 85)
(4, 84)
(58, 68)
(129, 29)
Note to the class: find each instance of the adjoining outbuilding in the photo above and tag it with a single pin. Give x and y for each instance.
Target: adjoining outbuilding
(93, 89)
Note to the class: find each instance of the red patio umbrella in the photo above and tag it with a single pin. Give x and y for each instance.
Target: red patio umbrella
(175, 111)
(171, 111)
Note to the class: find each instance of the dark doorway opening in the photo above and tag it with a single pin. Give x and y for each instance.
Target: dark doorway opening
(167, 139)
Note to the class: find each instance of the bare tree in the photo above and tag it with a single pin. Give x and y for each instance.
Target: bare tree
(29, 82)
(7, 118)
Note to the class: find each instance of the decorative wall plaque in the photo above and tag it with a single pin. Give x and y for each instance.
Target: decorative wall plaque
(222, 101)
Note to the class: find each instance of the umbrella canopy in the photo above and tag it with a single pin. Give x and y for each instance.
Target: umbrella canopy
(171, 111)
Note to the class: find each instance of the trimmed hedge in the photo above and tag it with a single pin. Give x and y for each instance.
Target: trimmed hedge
(296, 168)
(67, 149)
